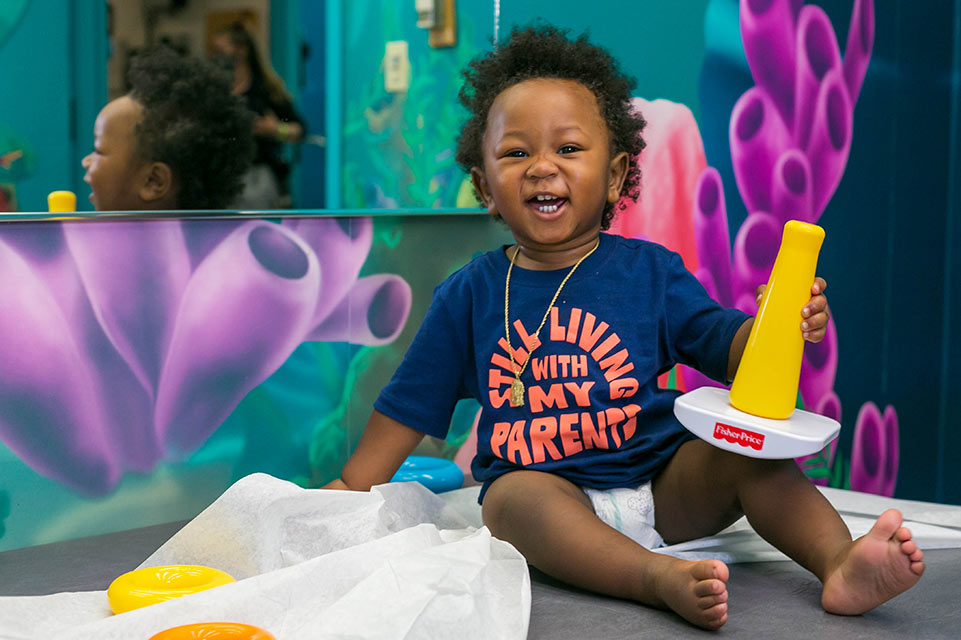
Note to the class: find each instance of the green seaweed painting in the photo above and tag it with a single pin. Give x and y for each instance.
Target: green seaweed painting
(400, 147)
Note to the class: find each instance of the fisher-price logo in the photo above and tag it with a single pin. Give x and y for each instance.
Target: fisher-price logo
(734, 435)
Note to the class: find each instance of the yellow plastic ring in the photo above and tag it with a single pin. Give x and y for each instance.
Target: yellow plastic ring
(214, 631)
(150, 585)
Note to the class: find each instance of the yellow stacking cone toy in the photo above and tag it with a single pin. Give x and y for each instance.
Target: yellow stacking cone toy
(62, 202)
(757, 417)
(766, 383)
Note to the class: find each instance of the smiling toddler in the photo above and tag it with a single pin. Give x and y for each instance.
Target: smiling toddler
(561, 337)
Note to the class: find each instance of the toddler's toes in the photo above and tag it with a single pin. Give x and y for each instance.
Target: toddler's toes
(717, 616)
(708, 588)
(707, 602)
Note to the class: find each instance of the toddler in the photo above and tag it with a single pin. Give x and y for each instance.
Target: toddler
(561, 337)
(177, 140)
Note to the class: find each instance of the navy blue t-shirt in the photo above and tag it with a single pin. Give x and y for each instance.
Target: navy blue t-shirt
(593, 412)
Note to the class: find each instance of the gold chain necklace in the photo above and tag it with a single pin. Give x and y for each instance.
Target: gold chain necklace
(517, 387)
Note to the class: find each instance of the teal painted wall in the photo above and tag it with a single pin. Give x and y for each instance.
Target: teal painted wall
(662, 45)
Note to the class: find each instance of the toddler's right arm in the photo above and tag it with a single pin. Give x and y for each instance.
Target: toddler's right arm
(383, 447)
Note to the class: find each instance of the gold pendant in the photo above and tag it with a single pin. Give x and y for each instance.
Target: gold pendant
(517, 393)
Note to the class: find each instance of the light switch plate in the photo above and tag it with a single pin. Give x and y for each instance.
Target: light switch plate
(396, 67)
(426, 13)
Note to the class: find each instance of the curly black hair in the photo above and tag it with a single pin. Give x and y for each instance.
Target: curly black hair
(192, 123)
(547, 52)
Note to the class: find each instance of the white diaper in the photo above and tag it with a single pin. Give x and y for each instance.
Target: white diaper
(630, 511)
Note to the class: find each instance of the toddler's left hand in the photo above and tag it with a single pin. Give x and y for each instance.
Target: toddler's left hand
(815, 312)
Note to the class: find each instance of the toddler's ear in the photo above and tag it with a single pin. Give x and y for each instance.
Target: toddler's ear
(158, 182)
(479, 181)
(618, 172)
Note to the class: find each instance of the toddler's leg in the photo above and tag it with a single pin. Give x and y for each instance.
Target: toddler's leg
(704, 488)
(551, 522)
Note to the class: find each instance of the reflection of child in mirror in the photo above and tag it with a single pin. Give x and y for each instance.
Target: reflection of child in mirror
(177, 140)
(562, 337)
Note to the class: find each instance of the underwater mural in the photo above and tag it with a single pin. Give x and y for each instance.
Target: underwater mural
(790, 137)
(150, 363)
(123, 342)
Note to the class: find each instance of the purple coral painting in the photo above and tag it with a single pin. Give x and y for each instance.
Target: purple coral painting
(126, 342)
(790, 136)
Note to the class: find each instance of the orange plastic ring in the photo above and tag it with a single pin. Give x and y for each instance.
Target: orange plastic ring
(214, 631)
(150, 585)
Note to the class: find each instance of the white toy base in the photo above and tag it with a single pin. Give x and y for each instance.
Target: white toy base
(708, 414)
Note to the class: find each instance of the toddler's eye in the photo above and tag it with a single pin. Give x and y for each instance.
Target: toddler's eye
(515, 153)
(568, 148)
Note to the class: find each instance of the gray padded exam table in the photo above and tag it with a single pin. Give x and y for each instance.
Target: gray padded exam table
(768, 599)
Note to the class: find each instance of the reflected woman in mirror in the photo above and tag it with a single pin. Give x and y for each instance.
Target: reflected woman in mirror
(276, 121)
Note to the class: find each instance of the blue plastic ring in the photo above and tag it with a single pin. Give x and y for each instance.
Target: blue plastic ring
(437, 474)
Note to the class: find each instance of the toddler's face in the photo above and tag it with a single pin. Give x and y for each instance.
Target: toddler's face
(548, 169)
(114, 167)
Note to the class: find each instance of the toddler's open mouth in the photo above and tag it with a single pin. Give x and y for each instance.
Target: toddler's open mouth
(546, 203)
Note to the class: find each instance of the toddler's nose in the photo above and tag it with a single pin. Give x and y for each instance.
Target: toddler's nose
(85, 163)
(541, 167)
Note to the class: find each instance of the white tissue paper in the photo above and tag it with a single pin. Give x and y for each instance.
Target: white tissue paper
(397, 562)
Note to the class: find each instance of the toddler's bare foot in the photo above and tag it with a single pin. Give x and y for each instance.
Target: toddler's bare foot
(697, 591)
(874, 568)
